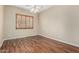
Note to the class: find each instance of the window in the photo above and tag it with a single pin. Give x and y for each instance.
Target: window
(24, 21)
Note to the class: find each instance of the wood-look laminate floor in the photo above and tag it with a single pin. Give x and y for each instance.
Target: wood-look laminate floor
(37, 44)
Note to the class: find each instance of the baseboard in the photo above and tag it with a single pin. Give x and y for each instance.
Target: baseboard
(57, 39)
(9, 38)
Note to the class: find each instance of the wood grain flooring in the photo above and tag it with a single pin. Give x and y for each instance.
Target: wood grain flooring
(36, 44)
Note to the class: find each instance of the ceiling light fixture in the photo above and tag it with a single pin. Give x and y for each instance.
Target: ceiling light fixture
(35, 8)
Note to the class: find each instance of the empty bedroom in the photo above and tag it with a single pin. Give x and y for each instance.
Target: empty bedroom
(39, 28)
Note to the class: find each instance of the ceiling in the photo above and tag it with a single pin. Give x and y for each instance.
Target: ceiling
(28, 7)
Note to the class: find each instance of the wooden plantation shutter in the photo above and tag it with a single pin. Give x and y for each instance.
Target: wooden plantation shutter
(24, 21)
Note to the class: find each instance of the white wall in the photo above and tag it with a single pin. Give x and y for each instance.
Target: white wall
(1, 24)
(10, 31)
(61, 23)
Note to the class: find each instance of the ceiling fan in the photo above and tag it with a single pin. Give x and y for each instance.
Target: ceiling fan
(34, 8)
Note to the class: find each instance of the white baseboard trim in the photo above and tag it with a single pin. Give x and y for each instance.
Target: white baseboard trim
(9, 38)
(60, 40)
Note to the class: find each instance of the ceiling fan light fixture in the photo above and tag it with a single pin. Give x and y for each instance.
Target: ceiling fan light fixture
(35, 9)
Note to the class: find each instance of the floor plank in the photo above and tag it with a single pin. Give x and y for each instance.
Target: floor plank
(37, 44)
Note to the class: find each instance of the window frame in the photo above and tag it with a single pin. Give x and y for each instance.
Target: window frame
(32, 18)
